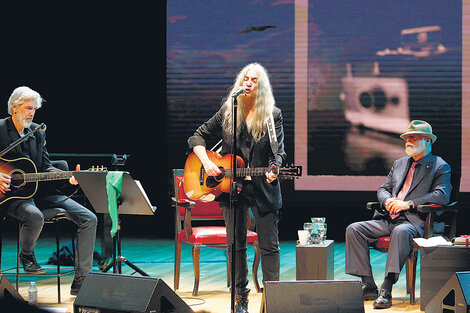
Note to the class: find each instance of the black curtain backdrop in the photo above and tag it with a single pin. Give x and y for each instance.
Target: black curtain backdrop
(101, 68)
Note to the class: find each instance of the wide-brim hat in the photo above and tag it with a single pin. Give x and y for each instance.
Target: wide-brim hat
(421, 128)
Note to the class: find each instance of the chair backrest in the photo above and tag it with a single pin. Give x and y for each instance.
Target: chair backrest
(455, 181)
(445, 223)
(203, 210)
(60, 164)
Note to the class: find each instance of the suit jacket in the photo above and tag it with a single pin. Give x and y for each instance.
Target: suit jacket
(431, 184)
(256, 154)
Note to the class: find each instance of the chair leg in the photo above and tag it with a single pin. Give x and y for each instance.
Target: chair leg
(57, 232)
(176, 278)
(255, 267)
(196, 254)
(229, 271)
(413, 281)
(18, 257)
(1, 241)
(408, 273)
(411, 263)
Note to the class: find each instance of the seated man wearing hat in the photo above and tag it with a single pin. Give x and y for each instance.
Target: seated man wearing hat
(418, 178)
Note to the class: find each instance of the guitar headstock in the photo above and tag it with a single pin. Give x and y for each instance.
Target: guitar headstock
(98, 169)
(291, 172)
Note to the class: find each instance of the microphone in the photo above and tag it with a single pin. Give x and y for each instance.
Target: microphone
(239, 92)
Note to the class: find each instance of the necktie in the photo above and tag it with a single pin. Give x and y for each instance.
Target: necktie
(406, 186)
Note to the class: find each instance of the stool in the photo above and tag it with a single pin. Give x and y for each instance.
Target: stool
(51, 216)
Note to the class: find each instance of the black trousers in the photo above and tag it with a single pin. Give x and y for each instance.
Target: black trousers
(32, 220)
(268, 237)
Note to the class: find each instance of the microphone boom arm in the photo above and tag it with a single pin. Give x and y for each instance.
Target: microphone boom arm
(20, 140)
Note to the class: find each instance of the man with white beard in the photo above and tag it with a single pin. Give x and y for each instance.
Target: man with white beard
(26, 208)
(419, 178)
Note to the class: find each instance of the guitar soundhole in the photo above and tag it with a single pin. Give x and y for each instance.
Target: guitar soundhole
(212, 182)
(17, 178)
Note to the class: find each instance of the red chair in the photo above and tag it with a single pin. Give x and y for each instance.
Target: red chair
(207, 236)
(433, 211)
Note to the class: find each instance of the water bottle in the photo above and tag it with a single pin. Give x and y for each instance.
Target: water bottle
(32, 294)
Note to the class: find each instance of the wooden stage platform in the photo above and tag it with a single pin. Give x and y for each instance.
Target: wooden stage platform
(156, 257)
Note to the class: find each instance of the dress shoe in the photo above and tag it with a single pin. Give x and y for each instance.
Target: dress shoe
(30, 265)
(384, 301)
(76, 285)
(369, 292)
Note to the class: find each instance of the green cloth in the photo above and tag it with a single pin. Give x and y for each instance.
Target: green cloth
(114, 190)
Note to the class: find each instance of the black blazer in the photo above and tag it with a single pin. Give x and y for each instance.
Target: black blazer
(256, 154)
(37, 153)
(36, 143)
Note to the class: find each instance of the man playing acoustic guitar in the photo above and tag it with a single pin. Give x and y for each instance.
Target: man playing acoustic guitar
(22, 106)
(256, 106)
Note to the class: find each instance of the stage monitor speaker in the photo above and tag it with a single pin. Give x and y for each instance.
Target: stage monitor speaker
(109, 293)
(313, 296)
(454, 296)
(7, 291)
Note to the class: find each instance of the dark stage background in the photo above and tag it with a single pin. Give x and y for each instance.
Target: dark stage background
(102, 68)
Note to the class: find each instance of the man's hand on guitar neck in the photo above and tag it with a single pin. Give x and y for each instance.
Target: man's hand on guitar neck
(5, 181)
(73, 180)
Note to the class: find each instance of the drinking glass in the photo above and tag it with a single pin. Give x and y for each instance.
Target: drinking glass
(309, 227)
(321, 227)
(318, 219)
(303, 236)
(316, 238)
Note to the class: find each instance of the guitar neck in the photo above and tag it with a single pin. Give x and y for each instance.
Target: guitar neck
(47, 176)
(246, 171)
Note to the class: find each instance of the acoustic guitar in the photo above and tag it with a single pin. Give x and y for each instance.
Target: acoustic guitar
(25, 178)
(198, 185)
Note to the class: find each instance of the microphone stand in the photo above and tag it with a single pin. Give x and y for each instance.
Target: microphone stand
(20, 140)
(233, 197)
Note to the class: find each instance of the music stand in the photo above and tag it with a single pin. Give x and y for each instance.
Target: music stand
(133, 200)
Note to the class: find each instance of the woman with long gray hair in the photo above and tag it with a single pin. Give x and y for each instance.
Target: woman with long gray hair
(256, 109)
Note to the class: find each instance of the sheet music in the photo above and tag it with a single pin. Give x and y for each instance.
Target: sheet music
(143, 192)
(134, 199)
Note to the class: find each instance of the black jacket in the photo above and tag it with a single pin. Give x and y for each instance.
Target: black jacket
(37, 151)
(256, 154)
(36, 143)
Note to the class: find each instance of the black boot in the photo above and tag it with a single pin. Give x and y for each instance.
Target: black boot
(241, 304)
(30, 265)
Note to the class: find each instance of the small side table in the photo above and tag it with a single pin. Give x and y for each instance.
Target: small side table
(316, 261)
(438, 264)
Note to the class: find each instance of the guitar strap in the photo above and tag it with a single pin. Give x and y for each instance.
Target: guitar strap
(272, 134)
(217, 147)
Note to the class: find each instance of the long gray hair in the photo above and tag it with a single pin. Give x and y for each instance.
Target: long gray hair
(263, 106)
